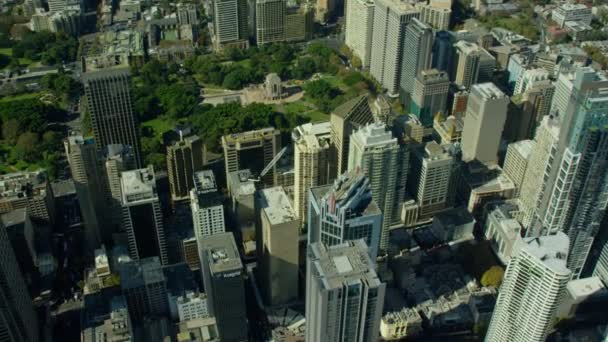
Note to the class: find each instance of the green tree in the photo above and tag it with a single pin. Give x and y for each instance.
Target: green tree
(27, 146)
(10, 131)
(493, 277)
(236, 79)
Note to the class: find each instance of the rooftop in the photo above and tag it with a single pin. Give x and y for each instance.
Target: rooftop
(277, 206)
(223, 253)
(488, 91)
(21, 184)
(140, 273)
(552, 250)
(240, 183)
(373, 135)
(455, 216)
(523, 147)
(250, 135)
(341, 264)
(63, 188)
(312, 136)
(352, 191)
(13, 217)
(138, 185)
(585, 287)
(204, 181)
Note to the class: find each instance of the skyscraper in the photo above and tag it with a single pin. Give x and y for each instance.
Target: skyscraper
(269, 21)
(312, 154)
(531, 289)
(390, 20)
(116, 159)
(18, 320)
(442, 51)
(483, 123)
(184, 158)
(344, 296)
(345, 211)
(222, 273)
(417, 47)
(436, 17)
(277, 240)
(142, 217)
(385, 162)
(110, 106)
(84, 167)
(475, 64)
(429, 95)
(573, 192)
(517, 161)
(344, 120)
(252, 150)
(230, 27)
(144, 286)
(206, 205)
(429, 182)
(359, 29)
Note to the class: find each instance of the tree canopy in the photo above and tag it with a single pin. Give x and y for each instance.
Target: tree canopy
(493, 277)
(47, 47)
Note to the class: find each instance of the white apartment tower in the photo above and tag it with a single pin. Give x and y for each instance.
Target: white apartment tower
(417, 49)
(359, 29)
(390, 21)
(516, 161)
(311, 162)
(532, 287)
(483, 123)
(206, 206)
(429, 182)
(344, 296)
(385, 162)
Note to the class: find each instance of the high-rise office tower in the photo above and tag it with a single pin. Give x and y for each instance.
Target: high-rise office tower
(475, 64)
(184, 158)
(430, 95)
(545, 148)
(359, 29)
(345, 211)
(312, 158)
(206, 205)
(429, 181)
(442, 51)
(230, 26)
(517, 161)
(344, 296)
(484, 123)
(269, 21)
(277, 240)
(385, 162)
(111, 108)
(574, 187)
(222, 273)
(18, 320)
(144, 286)
(253, 150)
(116, 159)
(531, 289)
(390, 20)
(436, 17)
(344, 120)
(527, 110)
(142, 218)
(417, 47)
(299, 23)
(84, 167)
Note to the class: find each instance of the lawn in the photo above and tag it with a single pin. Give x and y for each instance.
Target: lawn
(303, 108)
(159, 125)
(24, 96)
(22, 61)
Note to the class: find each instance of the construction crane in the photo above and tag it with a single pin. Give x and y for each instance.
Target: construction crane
(270, 164)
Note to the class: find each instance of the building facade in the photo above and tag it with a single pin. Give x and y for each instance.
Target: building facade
(344, 296)
(142, 218)
(533, 284)
(417, 47)
(110, 105)
(484, 123)
(429, 95)
(385, 162)
(359, 29)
